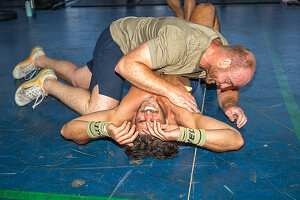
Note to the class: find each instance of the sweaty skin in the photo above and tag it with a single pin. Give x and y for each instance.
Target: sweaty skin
(155, 115)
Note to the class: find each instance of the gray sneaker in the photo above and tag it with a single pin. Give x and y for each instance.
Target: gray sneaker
(27, 66)
(33, 89)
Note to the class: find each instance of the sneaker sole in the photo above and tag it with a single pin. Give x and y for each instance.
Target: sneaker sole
(25, 61)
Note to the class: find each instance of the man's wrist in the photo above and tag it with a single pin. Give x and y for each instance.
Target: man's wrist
(227, 106)
(97, 129)
(193, 136)
(167, 90)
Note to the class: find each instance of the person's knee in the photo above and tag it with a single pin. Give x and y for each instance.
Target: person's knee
(75, 80)
(239, 143)
(204, 13)
(203, 10)
(81, 77)
(205, 7)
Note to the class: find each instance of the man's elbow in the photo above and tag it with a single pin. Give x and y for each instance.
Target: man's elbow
(239, 143)
(121, 67)
(64, 132)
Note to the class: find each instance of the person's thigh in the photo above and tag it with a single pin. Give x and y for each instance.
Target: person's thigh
(99, 102)
(82, 77)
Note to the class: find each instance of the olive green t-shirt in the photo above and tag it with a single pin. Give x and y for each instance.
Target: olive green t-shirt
(176, 45)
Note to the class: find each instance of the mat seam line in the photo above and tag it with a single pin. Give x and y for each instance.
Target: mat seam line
(194, 159)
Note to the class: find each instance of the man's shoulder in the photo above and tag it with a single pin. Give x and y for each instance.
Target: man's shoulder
(182, 117)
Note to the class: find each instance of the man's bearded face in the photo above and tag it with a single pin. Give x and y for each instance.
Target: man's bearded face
(227, 78)
(149, 111)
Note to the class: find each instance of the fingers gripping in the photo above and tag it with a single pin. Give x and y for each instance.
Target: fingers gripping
(126, 133)
(156, 130)
(182, 98)
(238, 115)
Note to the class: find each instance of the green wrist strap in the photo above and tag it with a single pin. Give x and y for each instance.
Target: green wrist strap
(97, 129)
(193, 136)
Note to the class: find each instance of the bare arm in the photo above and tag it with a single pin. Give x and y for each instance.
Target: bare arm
(228, 100)
(136, 67)
(75, 130)
(220, 136)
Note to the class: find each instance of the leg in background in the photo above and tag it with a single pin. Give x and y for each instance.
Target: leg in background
(175, 6)
(189, 6)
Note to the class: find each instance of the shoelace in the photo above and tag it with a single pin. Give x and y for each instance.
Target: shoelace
(31, 74)
(35, 92)
(38, 102)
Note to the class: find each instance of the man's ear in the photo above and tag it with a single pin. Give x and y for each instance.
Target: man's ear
(225, 63)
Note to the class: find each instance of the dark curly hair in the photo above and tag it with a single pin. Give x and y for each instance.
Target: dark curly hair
(147, 145)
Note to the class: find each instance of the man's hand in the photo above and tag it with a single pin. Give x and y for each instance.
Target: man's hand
(123, 134)
(236, 113)
(164, 132)
(182, 98)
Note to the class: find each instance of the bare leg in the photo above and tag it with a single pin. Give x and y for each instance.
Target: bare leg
(79, 99)
(216, 23)
(205, 14)
(77, 76)
(189, 6)
(175, 6)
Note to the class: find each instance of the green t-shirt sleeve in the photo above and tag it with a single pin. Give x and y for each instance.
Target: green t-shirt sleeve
(169, 48)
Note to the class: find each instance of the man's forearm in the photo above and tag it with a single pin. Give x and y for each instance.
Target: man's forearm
(221, 140)
(228, 98)
(143, 77)
(218, 140)
(75, 130)
(219, 136)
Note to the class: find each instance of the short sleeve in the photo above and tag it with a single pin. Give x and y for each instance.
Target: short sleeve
(169, 48)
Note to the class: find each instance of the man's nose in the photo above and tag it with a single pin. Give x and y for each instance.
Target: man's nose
(148, 114)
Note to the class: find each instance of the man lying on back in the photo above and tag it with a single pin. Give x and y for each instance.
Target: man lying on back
(150, 125)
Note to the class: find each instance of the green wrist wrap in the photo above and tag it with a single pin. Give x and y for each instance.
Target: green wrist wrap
(194, 136)
(97, 129)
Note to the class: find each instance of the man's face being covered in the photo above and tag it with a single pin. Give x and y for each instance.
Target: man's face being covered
(149, 111)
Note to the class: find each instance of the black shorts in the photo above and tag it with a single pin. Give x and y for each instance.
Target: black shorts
(195, 83)
(106, 55)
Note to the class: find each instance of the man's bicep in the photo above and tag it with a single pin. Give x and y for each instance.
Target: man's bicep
(106, 115)
(199, 121)
(205, 122)
(140, 54)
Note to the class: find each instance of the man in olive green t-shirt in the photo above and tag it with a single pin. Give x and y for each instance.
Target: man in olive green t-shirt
(175, 46)
(132, 48)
